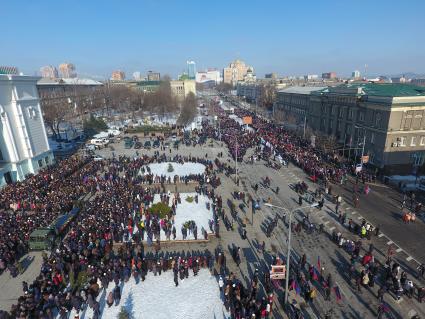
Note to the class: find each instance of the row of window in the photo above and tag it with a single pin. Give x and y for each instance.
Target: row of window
(403, 141)
(46, 160)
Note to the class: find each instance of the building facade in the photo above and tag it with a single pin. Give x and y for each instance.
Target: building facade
(24, 148)
(8, 69)
(70, 93)
(118, 75)
(390, 118)
(153, 76)
(49, 71)
(329, 75)
(209, 75)
(355, 74)
(191, 70)
(236, 71)
(182, 88)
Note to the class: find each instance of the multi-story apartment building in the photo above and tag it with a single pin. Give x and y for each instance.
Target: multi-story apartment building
(67, 70)
(390, 118)
(118, 75)
(236, 71)
(24, 148)
(49, 71)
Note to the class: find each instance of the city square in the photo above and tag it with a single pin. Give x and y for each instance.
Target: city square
(138, 180)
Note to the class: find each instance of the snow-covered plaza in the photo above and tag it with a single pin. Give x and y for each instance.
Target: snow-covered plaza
(158, 298)
(185, 211)
(161, 169)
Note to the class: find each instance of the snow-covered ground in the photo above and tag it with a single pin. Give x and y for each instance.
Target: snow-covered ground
(179, 169)
(189, 211)
(158, 298)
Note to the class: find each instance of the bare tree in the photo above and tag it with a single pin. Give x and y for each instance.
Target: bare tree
(224, 87)
(189, 110)
(267, 95)
(54, 114)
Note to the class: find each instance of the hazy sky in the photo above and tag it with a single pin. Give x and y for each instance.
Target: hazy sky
(287, 37)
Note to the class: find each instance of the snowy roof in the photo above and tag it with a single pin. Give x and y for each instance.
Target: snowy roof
(302, 89)
(68, 81)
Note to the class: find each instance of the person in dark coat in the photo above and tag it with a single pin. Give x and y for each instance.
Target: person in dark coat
(117, 294)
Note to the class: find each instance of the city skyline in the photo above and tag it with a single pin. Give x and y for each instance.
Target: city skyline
(291, 39)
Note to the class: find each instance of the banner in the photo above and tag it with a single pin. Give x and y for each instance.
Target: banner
(247, 120)
(278, 272)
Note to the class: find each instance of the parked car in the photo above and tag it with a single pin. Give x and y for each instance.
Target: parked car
(128, 144)
(147, 145)
(167, 144)
(138, 145)
(97, 158)
(156, 144)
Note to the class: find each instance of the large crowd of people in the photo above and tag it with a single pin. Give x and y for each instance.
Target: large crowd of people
(105, 242)
(116, 214)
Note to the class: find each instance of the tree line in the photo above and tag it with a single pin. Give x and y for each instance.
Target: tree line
(78, 102)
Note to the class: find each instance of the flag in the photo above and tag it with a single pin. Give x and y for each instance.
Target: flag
(316, 273)
(318, 263)
(297, 288)
(337, 293)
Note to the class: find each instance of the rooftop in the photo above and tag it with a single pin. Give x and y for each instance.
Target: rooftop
(303, 89)
(377, 89)
(68, 81)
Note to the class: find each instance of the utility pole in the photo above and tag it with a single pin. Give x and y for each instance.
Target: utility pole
(364, 142)
(236, 162)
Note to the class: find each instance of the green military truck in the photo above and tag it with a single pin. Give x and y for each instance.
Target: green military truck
(44, 238)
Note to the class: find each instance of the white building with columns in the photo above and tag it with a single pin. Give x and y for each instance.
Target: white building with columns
(24, 148)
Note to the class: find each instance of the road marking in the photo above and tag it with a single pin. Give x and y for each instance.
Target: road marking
(381, 235)
(390, 242)
(360, 217)
(354, 212)
(349, 208)
(332, 228)
(326, 223)
(398, 250)
(409, 258)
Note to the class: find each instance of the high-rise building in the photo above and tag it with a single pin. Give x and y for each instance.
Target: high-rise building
(49, 71)
(118, 75)
(329, 75)
(137, 76)
(235, 72)
(67, 70)
(191, 70)
(355, 74)
(24, 148)
(154, 76)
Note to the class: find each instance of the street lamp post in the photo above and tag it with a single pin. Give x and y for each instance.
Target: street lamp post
(289, 242)
(364, 142)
